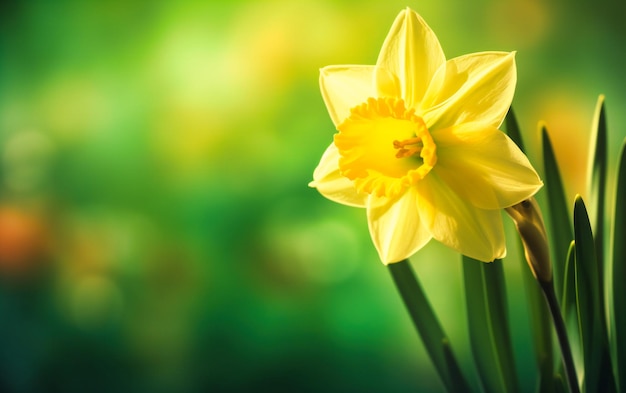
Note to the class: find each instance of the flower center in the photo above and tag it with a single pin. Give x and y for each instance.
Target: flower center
(384, 148)
(414, 147)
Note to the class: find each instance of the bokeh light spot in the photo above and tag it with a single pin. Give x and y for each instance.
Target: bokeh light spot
(96, 301)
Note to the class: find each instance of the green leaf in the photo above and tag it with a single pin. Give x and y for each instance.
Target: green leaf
(568, 365)
(541, 326)
(568, 302)
(569, 307)
(593, 332)
(428, 327)
(559, 384)
(512, 128)
(597, 183)
(455, 373)
(561, 233)
(619, 271)
(492, 347)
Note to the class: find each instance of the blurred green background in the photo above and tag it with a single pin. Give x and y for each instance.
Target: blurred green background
(156, 229)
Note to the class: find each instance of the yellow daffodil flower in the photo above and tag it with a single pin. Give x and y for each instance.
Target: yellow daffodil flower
(418, 145)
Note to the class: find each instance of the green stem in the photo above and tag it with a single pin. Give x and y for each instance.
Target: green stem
(428, 327)
(561, 333)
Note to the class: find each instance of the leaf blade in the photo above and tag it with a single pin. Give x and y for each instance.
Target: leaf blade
(540, 319)
(593, 331)
(428, 327)
(489, 330)
(568, 302)
(596, 183)
(512, 128)
(619, 271)
(562, 232)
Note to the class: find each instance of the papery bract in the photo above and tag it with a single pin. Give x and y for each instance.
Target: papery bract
(418, 145)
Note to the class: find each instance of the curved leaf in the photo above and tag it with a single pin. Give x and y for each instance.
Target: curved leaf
(597, 183)
(541, 326)
(512, 129)
(568, 300)
(593, 331)
(492, 347)
(561, 233)
(428, 327)
(619, 271)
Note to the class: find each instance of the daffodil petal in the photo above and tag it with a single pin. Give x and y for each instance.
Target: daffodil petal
(395, 226)
(476, 87)
(412, 52)
(484, 166)
(330, 183)
(387, 83)
(344, 87)
(455, 222)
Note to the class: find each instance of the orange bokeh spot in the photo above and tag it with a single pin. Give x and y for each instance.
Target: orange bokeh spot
(22, 242)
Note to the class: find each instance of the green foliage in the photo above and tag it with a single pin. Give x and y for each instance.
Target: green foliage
(541, 327)
(560, 386)
(597, 183)
(561, 233)
(590, 306)
(455, 375)
(618, 273)
(569, 308)
(512, 128)
(568, 301)
(489, 330)
(434, 338)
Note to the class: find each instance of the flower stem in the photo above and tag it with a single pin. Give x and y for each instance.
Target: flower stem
(561, 333)
(428, 327)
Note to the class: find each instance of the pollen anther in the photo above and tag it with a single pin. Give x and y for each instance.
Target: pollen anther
(414, 147)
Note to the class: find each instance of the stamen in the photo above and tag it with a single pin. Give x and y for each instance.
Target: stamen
(415, 147)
